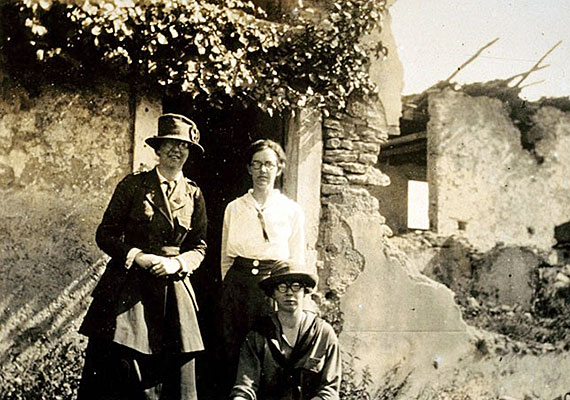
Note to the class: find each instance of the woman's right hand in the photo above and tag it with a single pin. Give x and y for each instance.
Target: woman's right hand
(147, 261)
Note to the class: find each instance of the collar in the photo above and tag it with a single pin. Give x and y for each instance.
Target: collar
(162, 179)
(272, 195)
(299, 330)
(309, 333)
(306, 322)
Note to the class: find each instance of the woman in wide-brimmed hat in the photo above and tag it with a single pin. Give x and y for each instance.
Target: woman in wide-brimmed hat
(259, 227)
(142, 325)
(291, 354)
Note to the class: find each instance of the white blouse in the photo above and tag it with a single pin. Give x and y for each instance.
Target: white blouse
(242, 233)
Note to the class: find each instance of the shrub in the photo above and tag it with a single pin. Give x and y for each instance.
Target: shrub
(392, 386)
(53, 376)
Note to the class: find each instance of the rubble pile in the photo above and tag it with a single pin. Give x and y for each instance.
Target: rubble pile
(536, 323)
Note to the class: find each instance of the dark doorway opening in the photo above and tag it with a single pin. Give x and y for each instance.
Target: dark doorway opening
(222, 176)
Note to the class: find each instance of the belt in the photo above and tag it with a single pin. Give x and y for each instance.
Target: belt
(253, 266)
(165, 251)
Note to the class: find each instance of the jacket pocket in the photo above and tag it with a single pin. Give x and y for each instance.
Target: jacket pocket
(314, 364)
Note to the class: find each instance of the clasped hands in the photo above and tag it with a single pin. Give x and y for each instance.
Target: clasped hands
(158, 265)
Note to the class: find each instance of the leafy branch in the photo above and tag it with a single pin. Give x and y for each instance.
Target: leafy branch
(214, 51)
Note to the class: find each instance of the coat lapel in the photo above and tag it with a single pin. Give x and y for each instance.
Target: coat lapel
(155, 196)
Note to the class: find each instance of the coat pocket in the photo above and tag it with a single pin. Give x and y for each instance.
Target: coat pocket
(314, 364)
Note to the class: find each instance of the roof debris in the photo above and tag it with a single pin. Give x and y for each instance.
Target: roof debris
(415, 115)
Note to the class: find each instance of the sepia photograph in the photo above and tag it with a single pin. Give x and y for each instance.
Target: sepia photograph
(284, 200)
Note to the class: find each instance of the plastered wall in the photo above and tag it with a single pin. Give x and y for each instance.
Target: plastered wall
(484, 185)
(62, 151)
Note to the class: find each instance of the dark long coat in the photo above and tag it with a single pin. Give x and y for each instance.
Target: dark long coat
(131, 307)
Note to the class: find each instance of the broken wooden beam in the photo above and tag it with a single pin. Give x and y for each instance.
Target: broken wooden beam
(404, 139)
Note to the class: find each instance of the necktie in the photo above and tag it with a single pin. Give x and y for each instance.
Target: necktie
(170, 185)
(262, 221)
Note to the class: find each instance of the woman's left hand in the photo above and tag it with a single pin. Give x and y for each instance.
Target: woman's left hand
(166, 266)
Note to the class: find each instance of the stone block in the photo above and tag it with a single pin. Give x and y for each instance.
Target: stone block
(385, 230)
(367, 147)
(347, 144)
(328, 189)
(356, 179)
(369, 134)
(354, 167)
(350, 132)
(371, 159)
(333, 143)
(353, 120)
(333, 133)
(372, 177)
(375, 177)
(332, 169)
(332, 123)
(360, 192)
(333, 156)
(335, 179)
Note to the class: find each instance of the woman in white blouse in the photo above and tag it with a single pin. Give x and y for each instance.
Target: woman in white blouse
(260, 227)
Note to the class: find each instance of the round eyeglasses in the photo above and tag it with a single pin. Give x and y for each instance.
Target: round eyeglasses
(294, 286)
(171, 143)
(270, 165)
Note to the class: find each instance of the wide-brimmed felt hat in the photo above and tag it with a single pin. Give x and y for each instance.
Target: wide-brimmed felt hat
(176, 127)
(287, 271)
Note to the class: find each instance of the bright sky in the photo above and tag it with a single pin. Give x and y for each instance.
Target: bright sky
(434, 37)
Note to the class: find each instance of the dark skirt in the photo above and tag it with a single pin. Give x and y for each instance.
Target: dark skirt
(116, 372)
(242, 303)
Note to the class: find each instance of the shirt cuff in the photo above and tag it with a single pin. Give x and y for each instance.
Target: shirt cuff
(131, 257)
(184, 266)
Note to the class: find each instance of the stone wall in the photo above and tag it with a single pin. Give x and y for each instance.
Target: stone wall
(483, 185)
(351, 147)
(387, 312)
(62, 151)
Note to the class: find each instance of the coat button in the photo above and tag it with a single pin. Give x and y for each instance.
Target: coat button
(255, 263)
(254, 271)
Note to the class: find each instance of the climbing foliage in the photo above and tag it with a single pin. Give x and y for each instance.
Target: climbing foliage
(213, 50)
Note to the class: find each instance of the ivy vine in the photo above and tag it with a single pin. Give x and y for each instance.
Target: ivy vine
(214, 50)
